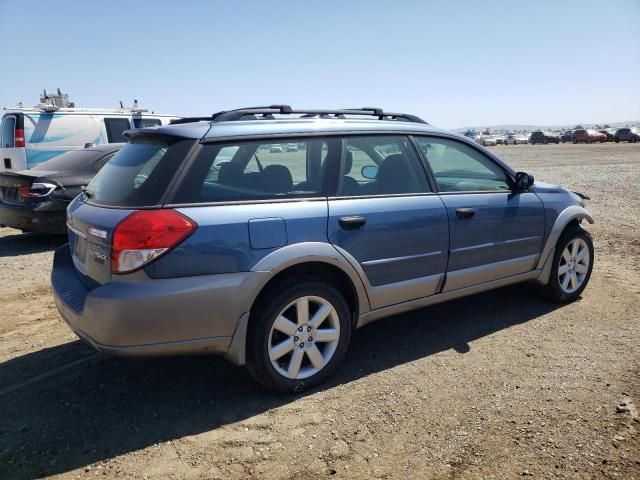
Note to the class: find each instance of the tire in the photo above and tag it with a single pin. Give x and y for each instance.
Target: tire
(574, 141)
(561, 287)
(532, 142)
(634, 140)
(286, 299)
(589, 140)
(557, 142)
(616, 139)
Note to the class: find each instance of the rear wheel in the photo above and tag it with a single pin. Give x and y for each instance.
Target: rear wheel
(298, 337)
(572, 265)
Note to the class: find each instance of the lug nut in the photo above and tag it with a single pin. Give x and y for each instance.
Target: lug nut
(308, 329)
(295, 339)
(302, 345)
(299, 329)
(310, 339)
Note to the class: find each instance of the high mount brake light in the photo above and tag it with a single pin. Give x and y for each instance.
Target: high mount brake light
(145, 235)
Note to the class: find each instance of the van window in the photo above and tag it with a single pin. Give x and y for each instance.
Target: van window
(115, 127)
(255, 170)
(8, 132)
(146, 122)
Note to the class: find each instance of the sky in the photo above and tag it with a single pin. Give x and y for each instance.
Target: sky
(454, 63)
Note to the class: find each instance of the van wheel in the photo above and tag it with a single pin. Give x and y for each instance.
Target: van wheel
(298, 337)
(572, 265)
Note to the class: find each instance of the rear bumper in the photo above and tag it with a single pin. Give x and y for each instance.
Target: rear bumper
(32, 220)
(144, 317)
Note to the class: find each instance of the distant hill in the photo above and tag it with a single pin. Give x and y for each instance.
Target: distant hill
(517, 127)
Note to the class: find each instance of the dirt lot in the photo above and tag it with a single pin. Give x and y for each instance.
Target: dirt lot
(500, 385)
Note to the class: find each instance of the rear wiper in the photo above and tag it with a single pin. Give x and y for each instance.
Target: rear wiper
(88, 193)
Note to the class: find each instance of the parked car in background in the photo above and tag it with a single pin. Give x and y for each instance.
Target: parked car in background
(487, 140)
(566, 136)
(608, 134)
(36, 200)
(292, 147)
(29, 136)
(631, 135)
(275, 148)
(500, 139)
(588, 135)
(515, 139)
(164, 258)
(544, 136)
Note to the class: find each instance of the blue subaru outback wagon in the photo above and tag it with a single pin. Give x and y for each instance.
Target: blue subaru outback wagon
(208, 236)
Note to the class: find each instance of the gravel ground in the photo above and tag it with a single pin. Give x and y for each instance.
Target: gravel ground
(499, 385)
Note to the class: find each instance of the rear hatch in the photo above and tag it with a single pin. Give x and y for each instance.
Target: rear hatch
(137, 178)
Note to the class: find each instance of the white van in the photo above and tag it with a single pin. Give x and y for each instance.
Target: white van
(29, 136)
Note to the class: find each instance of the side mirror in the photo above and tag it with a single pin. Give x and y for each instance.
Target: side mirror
(370, 172)
(523, 181)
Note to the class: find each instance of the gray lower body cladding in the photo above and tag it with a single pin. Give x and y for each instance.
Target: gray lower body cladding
(154, 317)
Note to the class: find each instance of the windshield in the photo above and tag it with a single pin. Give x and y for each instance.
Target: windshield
(139, 174)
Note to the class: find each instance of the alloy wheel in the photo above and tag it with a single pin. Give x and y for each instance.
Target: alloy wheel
(304, 336)
(574, 265)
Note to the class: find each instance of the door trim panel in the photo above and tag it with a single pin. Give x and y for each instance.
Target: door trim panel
(398, 292)
(491, 271)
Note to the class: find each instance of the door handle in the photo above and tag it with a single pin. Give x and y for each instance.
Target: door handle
(352, 223)
(465, 212)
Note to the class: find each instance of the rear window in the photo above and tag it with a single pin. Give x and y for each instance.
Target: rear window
(8, 132)
(258, 170)
(146, 122)
(139, 174)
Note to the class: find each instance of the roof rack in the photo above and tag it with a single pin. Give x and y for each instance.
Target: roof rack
(268, 112)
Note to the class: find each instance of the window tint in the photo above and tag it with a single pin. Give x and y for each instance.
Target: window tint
(258, 170)
(460, 168)
(380, 165)
(115, 127)
(146, 122)
(8, 132)
(138, 175)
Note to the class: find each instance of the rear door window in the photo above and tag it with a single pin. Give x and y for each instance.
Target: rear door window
(381, 165)
(115, 127)
(139, 174)
(257, 170)
(7, 139)
(146, 122)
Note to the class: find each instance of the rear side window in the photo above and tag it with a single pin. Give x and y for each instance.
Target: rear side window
(146, 122)
(8, 132)
(115, 127)
(139, 174)
(258, 170)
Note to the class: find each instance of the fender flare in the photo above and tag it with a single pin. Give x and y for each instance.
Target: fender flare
(290, 256)
(568, 215)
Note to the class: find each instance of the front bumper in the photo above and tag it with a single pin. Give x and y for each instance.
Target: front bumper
(33, 220)
(139, 316)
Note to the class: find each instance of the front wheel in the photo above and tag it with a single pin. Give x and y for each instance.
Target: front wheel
(298, 336)
(572, 265)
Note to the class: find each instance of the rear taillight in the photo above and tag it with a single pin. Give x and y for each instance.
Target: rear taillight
(145, 235)
(36, 190)
(19, 137)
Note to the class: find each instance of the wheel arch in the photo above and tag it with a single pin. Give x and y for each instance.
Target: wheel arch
(570, 216)
(319, 260)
